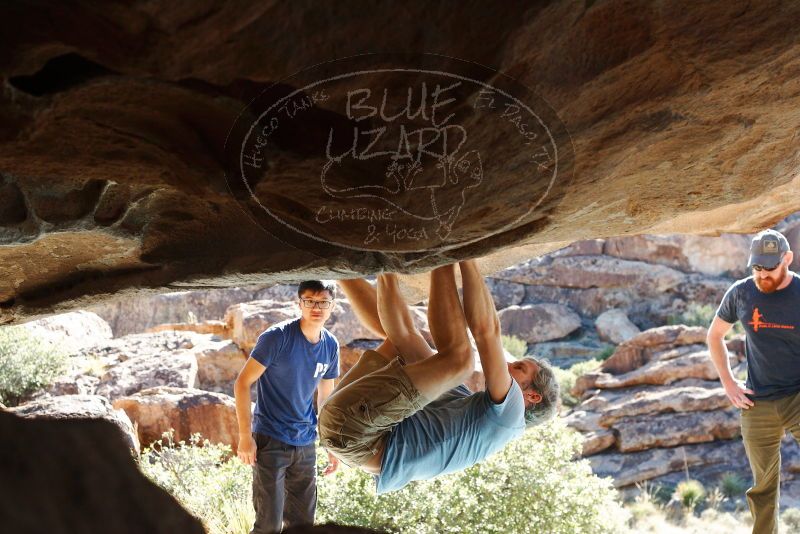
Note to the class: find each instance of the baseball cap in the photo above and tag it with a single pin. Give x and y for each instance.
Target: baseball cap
(767, 249)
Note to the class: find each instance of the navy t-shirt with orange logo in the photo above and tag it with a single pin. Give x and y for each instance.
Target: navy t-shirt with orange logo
(772, 326)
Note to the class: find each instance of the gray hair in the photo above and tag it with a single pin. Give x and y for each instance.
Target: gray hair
(546, 384)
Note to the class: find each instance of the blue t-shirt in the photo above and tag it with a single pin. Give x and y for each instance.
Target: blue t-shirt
(284, 408)
(453, 432)
(772, 335)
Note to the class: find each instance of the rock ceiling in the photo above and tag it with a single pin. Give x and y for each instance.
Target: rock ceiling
(157, 145)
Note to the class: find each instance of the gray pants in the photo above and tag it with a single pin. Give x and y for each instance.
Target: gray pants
(284, 485)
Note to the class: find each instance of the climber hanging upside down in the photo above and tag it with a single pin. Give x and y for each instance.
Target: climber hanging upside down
(402, 412)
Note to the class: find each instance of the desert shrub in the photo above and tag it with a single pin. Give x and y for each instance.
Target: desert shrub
(206, 479)
(567, 377)
(732, 485)
(689, 493)
(533, 485)
(28, 364)
(695, 314)
(606, 353)
(515, 346)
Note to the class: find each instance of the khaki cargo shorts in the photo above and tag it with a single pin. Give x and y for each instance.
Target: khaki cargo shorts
(370, 400)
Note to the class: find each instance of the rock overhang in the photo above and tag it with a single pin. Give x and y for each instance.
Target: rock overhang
(116, 177)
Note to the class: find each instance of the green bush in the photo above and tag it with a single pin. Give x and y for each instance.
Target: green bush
(689, 493)
(695, 314)
(606, 353)
(732, 485)
(531, 486)
(206, 479)
(27, 364)
(567, 377)
(515, 346)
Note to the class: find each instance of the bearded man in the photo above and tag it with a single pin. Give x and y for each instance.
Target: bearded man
(767, 304)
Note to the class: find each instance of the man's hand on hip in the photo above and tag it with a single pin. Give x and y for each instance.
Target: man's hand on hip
(247, 449)
(735, 390)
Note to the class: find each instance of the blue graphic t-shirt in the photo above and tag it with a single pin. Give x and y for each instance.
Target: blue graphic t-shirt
(284, 409)
(453, 432)
(772, 335)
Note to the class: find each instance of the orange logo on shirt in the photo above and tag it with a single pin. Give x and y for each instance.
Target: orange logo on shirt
(757, 323)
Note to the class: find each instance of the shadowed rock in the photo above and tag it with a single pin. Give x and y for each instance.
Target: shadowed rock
(186, 411)
(79, 476)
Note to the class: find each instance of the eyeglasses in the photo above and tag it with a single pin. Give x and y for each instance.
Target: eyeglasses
(759, 268)
(323, 304)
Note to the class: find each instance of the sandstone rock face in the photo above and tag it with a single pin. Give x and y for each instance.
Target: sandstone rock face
(505, 293)
(345, 325)
(595, 271)
(248, 320)
(72, 331)
(147, 344)
(717, 256)
(178, 369)
(538, 322)
(88, 464)
(659, 399)
(80, 384)
(140, 312)
(218, 365)
(668, 430)
(214, 327)
(628, 469)
(184, 410)
(614, 326)
(80, 407)
(135, 196)
(656, 400)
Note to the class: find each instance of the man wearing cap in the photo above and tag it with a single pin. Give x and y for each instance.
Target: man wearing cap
(767, 304)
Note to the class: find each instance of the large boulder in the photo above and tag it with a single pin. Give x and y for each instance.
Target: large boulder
(657, 400)
(157, 410)
(345, 325)
(248, 320)
(178, 369)
(629, 468)
(671, 429)
(720, 255)
(71, 331)
(218, 365)
(614, 326)
(147, 344)
(80, 407)
(693, 365)
(534, 323)
(78, 475)
(641, 348)
(141, 311)
(505, 293)
(594, 271)
(212, 326)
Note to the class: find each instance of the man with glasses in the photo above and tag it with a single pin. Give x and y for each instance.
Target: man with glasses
(767, 304)
(402, 412)
(290, 361)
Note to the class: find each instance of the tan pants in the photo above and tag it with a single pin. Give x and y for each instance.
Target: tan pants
(763, 426)
(368, 402)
